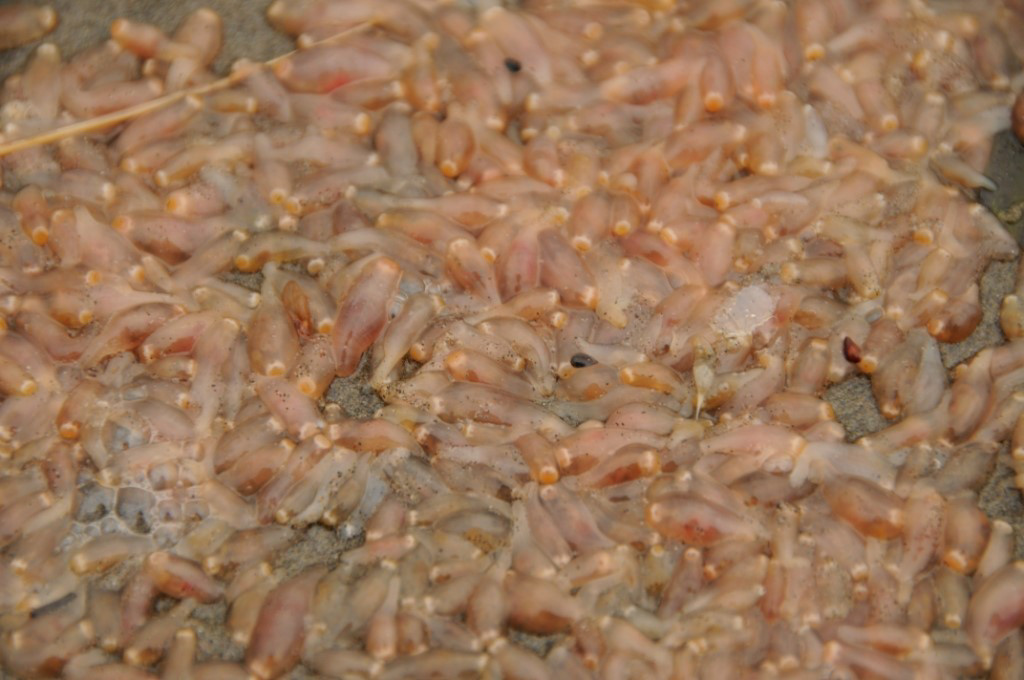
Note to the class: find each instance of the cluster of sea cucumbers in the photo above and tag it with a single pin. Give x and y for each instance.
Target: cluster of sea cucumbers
(598, 262)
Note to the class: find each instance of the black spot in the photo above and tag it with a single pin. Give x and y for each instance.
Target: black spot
(52, 606)
(582, 360)
(513, 65)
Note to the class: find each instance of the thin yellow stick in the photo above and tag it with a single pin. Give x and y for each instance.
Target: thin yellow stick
(115, 117)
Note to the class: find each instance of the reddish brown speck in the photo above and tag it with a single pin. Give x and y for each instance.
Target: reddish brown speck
(851, 350)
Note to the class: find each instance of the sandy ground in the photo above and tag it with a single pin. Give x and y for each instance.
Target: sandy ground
(87, 22)
(84, 23)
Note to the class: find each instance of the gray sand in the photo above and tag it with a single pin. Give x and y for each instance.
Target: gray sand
(85, 23)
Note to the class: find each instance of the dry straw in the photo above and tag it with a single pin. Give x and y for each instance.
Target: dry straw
(238, 73)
